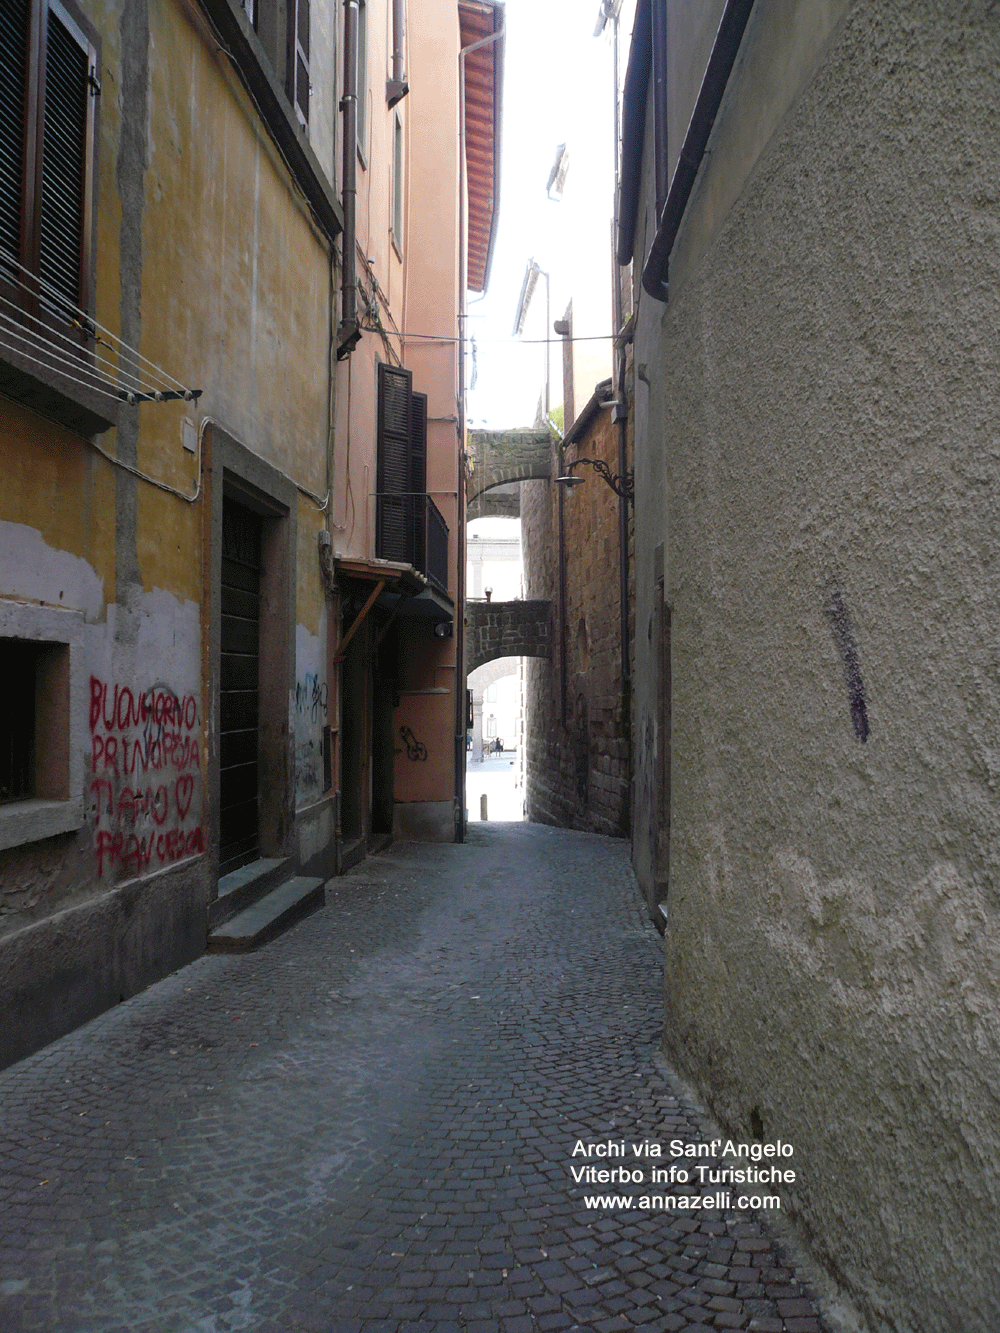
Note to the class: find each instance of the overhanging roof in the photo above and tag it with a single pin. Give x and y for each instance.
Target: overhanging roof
(483, 106)
(415, 598)
(633, 130)
(602, 397)
(396, 577)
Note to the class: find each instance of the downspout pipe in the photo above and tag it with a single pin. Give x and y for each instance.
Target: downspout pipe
(463, 227)
(633, 114)
(348, 333)
(396, 87)
(655, 275)
(620, 411)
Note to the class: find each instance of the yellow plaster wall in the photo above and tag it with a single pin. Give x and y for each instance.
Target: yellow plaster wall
(53, 482)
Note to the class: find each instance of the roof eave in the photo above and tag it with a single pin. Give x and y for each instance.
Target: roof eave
(491, 89)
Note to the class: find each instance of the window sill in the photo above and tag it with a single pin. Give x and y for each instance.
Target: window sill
(45, 389)
(32, 820)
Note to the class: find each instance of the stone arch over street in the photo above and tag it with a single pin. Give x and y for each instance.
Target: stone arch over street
(507, 629)
(500, 457)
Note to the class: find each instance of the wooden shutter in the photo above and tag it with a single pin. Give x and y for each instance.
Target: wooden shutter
(418, 480)
(13, 97)
(48, 86)
(394, 427)
(63, 221)
(418, 443)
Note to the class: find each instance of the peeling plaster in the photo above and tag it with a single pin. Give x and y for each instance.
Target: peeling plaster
(33, 570)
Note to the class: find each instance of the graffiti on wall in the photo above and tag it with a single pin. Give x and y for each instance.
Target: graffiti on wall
(310, 697)
(310, 718)
(145, 777)
(843, 635)
(415, 750)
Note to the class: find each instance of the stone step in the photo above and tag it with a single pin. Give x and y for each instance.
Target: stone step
(246, 885)
(268, 917)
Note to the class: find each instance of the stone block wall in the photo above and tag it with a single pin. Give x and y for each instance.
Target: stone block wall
(578, 769)
(507, 629)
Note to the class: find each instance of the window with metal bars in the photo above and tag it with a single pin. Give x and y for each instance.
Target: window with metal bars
(49, 87)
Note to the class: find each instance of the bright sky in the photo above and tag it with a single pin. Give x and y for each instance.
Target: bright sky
(557, 76)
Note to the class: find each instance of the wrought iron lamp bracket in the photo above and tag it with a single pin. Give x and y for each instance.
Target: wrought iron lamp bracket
(623, 486)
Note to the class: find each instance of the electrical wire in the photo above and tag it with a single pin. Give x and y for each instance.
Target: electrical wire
(506, 342)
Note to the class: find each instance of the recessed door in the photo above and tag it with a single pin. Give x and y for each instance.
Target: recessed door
(239, 831)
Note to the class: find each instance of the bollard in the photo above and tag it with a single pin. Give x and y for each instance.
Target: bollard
(482, 807)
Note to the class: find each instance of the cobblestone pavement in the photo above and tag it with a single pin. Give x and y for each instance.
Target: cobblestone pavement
(368, 1125)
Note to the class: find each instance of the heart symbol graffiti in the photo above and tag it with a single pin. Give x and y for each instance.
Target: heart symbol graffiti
(183, 793)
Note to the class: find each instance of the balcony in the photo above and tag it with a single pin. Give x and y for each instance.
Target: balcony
(409, 528)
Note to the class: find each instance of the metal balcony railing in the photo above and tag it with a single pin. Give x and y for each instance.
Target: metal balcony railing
(409, 528)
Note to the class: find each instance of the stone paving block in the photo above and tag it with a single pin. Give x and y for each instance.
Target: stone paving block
(792, 1308)
(643, 1316)
(368, 1123)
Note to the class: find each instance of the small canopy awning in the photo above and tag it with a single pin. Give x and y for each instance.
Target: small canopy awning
(397, 588)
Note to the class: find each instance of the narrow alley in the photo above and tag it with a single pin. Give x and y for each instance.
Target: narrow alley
(369, 1124)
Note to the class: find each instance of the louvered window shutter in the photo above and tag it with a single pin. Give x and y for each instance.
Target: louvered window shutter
(418, 479)
(393, 538)
(48, 87)
(13, 97)
(63, 234)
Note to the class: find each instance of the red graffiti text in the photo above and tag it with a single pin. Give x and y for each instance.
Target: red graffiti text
(145, 763)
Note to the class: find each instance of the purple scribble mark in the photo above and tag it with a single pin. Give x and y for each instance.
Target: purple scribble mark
(840, 623)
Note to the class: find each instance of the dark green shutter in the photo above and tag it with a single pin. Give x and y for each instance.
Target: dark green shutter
(418, 480)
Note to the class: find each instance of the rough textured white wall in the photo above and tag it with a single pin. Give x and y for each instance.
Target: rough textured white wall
(823, 400)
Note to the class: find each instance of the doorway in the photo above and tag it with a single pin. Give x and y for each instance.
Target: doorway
(239, 721)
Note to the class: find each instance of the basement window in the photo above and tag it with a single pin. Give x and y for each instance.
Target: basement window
(34, 745)
(17, 724)
(41, 731)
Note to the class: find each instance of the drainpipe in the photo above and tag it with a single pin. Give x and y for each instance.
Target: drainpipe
(563, 636)
(396, 88)
(463, 225)
(732, 25)
(348, 333)
(620, 410)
